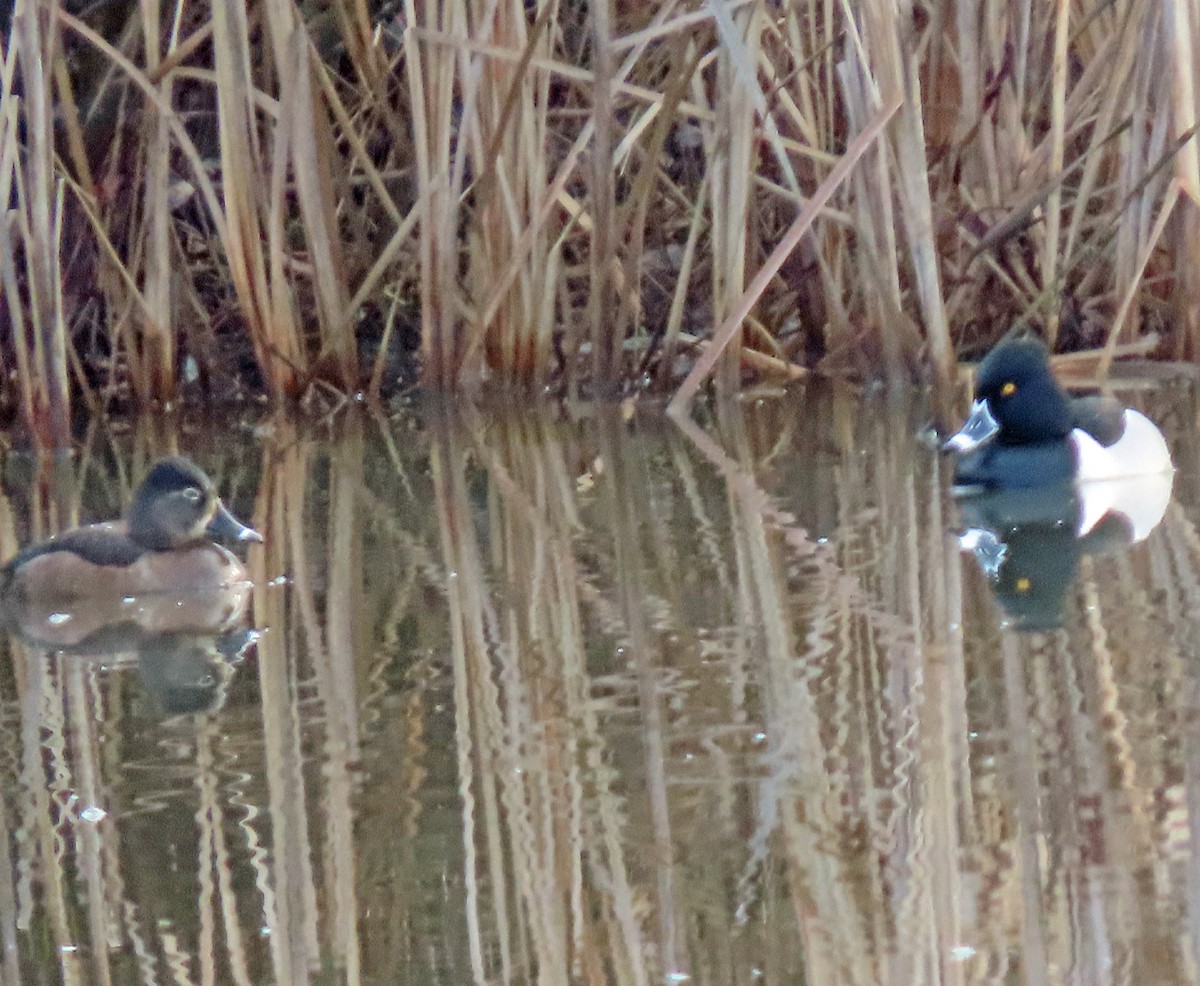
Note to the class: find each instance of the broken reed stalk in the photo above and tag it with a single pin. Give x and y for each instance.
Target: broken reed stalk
(732, 324)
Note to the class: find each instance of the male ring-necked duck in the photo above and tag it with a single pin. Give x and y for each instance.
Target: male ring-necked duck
(1025, 431)
(165, 546)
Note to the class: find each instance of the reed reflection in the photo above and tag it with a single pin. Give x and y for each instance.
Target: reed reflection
(543, 699)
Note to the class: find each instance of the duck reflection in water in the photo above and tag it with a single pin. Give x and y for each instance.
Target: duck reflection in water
(1029, 541)
(156, 585)
(1043, 479)
(183, 672)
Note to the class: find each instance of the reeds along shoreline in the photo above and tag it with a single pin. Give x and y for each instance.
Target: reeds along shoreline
(225, 199)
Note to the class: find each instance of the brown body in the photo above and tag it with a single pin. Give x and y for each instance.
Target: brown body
(165, 549)
(69, 575)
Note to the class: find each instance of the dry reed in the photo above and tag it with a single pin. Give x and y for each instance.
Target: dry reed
(555, 197)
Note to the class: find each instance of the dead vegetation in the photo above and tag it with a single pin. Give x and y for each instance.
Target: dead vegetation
(224, 199)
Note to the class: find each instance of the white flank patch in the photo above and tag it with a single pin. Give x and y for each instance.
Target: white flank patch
(1140, 451)
(1133, 477)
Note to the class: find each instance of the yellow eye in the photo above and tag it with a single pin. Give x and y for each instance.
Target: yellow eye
(1008, 389)
(1023, 584)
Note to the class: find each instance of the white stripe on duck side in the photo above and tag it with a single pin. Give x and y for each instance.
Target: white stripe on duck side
(1140, 451)
(1132, 477)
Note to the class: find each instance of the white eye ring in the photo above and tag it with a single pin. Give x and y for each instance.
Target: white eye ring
(191, 493)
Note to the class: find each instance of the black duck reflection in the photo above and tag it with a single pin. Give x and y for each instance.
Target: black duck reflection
(1028, 541)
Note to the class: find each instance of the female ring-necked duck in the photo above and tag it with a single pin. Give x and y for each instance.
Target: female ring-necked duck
(165, 546)
(1024, 430)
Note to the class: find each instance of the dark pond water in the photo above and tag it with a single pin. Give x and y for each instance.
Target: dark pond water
(539, 700)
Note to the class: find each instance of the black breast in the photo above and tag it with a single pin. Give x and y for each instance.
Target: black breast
(999, 466)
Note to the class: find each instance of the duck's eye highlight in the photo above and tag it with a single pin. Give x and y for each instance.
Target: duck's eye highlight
(191, 493)
(1008, 389)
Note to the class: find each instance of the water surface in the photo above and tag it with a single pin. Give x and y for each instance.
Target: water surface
(542, 699)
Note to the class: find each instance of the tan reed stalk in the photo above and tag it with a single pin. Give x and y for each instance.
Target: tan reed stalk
(265, 299)
(1181, 30)
(603, 247)
(1058, 97)
(679, 296)
(310, 158)
(35, 43)
(875, 220)
(730, 150)
(157, 333)
(9, 178)
(508, 132)
(895, 65)
(431, 73)
(1114, 332)
(1183, 35)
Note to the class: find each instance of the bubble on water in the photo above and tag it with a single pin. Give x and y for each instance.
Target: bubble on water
(962, 952)
(92, 813)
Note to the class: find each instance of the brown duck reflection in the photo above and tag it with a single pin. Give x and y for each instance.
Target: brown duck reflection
(186, 647)
(76, 625)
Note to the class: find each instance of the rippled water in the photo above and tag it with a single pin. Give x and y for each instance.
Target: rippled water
(596, 701)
